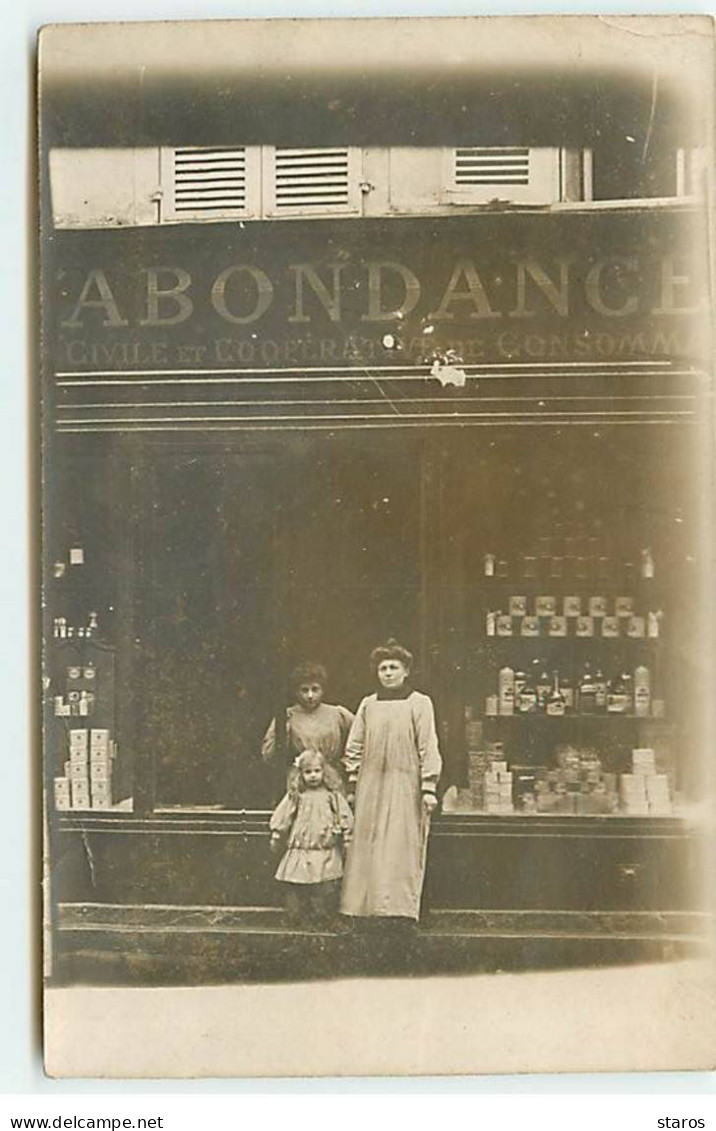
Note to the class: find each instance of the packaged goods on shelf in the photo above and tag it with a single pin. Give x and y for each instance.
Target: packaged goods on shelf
(529, 626)
(545, 606)
(99, 739)
(643, 760)
(658, 795)
(632, 794)
(62, 793)
(79, 739)
(99, 771)
(80, 794)
(79, 772)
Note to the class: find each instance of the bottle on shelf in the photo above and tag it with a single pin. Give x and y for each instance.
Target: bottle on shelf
(520, 680)
(506, 690)
(528, 698)
(555, 700)
(653, 624)
(647, 563)
(642, 691)
(491, 622)
(587, 692)
(544, 686)
(619, 695)
(489, 565)
(600, 691)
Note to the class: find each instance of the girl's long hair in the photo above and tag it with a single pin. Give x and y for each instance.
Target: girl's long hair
(296, 784)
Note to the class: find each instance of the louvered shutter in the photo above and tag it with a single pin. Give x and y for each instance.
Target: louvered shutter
(311, 181)
(476, 174)
(201, 183)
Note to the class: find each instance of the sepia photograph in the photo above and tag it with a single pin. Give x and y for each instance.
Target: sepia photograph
(377, 469)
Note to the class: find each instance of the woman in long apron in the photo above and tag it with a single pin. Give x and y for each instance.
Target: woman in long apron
(393, 762)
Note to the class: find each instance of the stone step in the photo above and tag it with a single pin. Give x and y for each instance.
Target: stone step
(159, 945)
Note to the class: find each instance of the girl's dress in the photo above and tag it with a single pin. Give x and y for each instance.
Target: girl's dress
(318, 822)
(393, 751)
(324, 729)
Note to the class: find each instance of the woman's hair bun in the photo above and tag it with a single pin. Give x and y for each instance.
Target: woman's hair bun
(391, 650)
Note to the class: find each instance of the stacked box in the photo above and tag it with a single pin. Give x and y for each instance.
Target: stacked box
(643, 760)
(632, 793)
(100, 769)
(80, 793)
(62, 793)
(578, 785)
(79, 769)
(498, 789)
(658, 795)
(656, 785)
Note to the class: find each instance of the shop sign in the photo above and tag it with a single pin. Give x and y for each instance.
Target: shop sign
(399, 292)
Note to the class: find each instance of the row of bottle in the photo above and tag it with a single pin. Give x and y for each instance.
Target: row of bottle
(590, 694)
(61, 630)
(585, 565)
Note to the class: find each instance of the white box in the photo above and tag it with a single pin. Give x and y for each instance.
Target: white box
(643, 760)
(78, 739)
(80, 796)
(101, 802)
(99, 771)
(62, 793)
(99, 739)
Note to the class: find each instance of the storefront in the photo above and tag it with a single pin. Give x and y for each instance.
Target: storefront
(485, 436)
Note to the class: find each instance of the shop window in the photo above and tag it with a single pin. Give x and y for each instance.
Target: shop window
(300, 182)
(206, 184)
(518, 174)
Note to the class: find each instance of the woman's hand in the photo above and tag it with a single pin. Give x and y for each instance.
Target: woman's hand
(430, 803)
(275, 842)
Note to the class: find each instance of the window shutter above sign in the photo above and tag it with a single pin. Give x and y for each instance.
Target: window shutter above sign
(305, 181)
(479, 166)
(477, 174)
(210, 183)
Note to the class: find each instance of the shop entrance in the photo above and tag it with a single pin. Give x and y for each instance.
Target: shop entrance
(255, 561)
(353, 570)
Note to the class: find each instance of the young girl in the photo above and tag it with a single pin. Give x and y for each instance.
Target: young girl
(316, 823)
